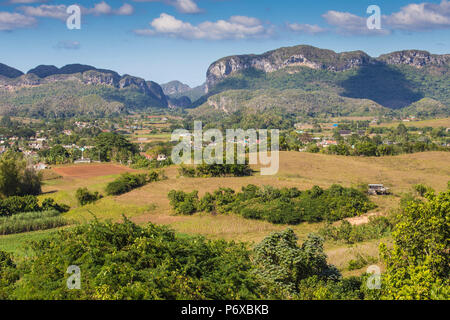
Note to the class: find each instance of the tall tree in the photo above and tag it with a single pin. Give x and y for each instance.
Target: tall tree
(418, 265)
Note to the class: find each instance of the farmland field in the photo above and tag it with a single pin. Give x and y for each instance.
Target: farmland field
(445, 122)
(87, 171)
(301, 170)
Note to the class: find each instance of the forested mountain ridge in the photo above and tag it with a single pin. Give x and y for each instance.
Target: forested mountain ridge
(73, 89)
(319, 59)
(396, 81)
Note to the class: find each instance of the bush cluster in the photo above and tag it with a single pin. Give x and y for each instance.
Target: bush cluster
(84, 196)
(377, 227)
(279, 206)
(216, 170)
(127, 182)
(16, 204)
(125, 261)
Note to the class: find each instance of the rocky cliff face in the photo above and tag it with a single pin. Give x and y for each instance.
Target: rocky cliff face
(271, 61)
(415, 58)
(175, 88)
(314, 58)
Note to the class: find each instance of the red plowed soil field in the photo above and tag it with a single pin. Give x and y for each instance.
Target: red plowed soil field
(90, 170)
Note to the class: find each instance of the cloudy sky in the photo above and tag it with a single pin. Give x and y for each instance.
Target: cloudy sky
(163, 40)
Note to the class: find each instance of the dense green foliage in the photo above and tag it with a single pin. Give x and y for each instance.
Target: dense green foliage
(184, 203)
(278, 109)
(418, 265)
(377, 227)
(367, 141)
(279, 206)
(8, 275)
(64, 99)
(31, 221)
(126, 261)
(84, 196)
(16, 178)
(13, 205)
(113, 146)
(391, 86)
(283, 265)
(216, 170)
(127, 182)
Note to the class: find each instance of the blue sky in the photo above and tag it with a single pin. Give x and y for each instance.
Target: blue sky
(163, 40)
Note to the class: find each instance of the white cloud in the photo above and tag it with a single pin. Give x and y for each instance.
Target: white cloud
(186, 6)
(125, 10)
(422, 16)
(237, 27)
(103, 8)
(183, 6)
(26, 1)
(59, 11)
(351, 24)
(413, 17)
(100, 8)
(305, 28)
(46, 11)
(11, 21)
(68, 45)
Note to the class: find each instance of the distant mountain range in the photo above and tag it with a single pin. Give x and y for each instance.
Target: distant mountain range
(176, 89)
(302, 80)
(75, 89)
(308, 81)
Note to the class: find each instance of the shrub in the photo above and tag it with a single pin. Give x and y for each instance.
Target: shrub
(184, 203)
(280, 206)
(50, 204)
(130, 262)
(15, 204)
(186, 171)
(360, 262)
(126, 183)
(422, 189)
(282, 264)
(377, 228)
(216, 170)
(16, 178)
(85, 197)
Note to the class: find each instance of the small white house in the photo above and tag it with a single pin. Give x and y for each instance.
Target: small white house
(40, 166)
(161, 157)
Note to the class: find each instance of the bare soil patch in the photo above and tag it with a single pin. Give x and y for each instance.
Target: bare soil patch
(90, 170)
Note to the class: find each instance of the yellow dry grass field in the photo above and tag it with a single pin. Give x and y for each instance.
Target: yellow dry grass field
(301, 170)
(445, 122)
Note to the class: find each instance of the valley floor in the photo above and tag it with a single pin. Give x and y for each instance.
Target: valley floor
(301, 170)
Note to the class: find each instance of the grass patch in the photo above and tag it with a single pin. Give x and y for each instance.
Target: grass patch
(107, 208)
(31, 221)
(16, 243)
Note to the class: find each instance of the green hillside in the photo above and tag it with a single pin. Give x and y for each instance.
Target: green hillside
(70, 98)
(274, 107)
(391, 86)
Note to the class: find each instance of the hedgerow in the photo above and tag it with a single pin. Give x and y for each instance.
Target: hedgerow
(13, 205)
(127, 182)
(279, 206)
